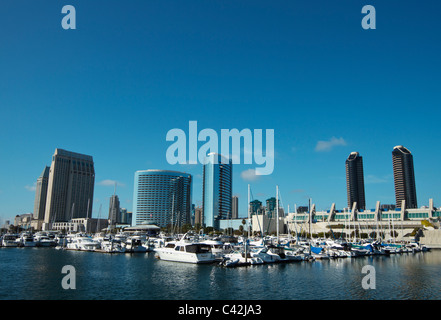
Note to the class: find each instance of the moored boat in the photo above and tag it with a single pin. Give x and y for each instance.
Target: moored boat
(185, 251)
(10, 240)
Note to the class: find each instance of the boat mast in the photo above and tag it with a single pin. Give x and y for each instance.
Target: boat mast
(99, 219)
(393, 227)
(71, 215)
(310, 218)
(248, 227)
(173, 208)
(277, 213)
(88, 203)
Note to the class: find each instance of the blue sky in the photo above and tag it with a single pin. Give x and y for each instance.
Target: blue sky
(133, 70)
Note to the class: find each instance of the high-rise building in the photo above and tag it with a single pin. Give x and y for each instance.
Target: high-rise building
(70, 187)
(162, 197)
(235, 207)
(198, 216)
(124, 216)
(256, 207)
(404, 177)
(41, 194)
(355, 181)
(114, 210)
(217, 189)
(271, 207)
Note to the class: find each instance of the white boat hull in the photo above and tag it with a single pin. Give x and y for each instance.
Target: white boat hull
(172, 255)
(9, 243)
(29, 244)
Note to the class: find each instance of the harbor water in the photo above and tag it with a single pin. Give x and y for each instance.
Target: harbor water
(36, 274)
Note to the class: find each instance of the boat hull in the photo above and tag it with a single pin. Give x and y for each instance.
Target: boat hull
(186, 257)
(9, 244)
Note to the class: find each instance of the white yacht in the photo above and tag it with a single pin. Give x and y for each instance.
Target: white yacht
(110, 245)
(185, 251)
(240, 258)
(159, 242)
(135, 244)
(27, 240)
(45, 241)
(121, 236)
(83, 242)
(218, 248)
(42, 239)
(282, 254)
(61, 240)
(9, 240)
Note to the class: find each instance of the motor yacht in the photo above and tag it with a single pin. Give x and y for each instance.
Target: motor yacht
(134, 244)
(111, 245)
(185, 251)
(82, 242)
(9, 240)
(218, 248)
(27, 240)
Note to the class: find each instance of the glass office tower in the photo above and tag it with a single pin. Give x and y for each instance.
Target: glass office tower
(217, 189)
(404, 177)
(355, 181)
(162, 198)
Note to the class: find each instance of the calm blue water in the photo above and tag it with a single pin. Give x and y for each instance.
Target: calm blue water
(35, 273)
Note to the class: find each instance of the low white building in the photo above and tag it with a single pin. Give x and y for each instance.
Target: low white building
(88, 225)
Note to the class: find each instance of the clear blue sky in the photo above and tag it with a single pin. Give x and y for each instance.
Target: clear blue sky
(132, 70)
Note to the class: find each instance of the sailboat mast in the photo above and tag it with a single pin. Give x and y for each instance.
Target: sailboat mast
(88, 203)
(172, 213)
(277, 212)
(310, 217)
(248, 227)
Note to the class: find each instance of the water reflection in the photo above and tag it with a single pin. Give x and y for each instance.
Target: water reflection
(35, 273)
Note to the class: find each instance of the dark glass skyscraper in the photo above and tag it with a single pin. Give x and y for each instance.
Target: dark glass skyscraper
(404, 177)
(355, 181)
(217, 190)
(256, 207)
(271, 207)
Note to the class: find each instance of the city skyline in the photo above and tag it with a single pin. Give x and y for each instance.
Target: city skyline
(353, 157)
(117, 84)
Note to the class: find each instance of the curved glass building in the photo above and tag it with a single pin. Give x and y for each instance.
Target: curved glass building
(162, 197)
(217, 190)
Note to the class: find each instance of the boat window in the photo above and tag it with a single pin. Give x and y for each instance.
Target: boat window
(182, 248)
(177, 248)
(198, 248)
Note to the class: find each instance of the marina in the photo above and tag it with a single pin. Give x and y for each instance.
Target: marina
(208, 249)
(35, 273)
